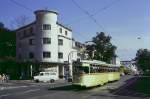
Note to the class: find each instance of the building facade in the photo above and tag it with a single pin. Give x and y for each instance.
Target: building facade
(131, 65)
(47, 42)
(116, 61)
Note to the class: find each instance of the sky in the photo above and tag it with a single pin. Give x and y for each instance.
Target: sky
(124, 20)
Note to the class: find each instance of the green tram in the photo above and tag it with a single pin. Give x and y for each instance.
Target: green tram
(93, 73)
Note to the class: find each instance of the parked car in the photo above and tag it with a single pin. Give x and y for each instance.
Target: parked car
(46, 77)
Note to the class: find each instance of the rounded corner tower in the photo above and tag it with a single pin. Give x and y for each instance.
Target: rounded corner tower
(46, 27)
(46, 15)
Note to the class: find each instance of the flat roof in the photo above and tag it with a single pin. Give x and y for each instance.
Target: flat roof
(32, 23)
(46, 11)
(63, 26)
(25, 26)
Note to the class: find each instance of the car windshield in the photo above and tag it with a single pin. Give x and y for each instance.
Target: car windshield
(41, 74)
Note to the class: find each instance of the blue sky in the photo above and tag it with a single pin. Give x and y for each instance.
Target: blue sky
(125, 20)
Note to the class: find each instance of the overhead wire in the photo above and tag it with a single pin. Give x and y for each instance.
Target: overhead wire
(96, 12)
(89, 15)
(83, 10)
(21, 5)
(105, 7)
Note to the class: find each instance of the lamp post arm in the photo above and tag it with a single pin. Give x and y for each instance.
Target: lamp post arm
(70, 54)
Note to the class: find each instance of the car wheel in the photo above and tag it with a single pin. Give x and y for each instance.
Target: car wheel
(37, 81)
(52, 81)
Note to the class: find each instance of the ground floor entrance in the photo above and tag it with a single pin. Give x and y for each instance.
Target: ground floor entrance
(61, 70)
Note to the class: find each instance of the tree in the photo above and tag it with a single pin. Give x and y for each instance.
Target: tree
(1, 25)
(90, 50)
(7, 43)
(7, 51)
(143, 59)
(102, 48)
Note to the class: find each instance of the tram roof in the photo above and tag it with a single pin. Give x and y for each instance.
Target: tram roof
(93, 62)
(96, 62)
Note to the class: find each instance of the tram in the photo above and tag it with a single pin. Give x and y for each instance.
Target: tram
(93, 73)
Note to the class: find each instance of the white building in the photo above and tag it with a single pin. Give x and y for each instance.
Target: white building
(47, 42)
(131, 65)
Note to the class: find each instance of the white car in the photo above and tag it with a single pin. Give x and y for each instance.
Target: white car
(46, 77)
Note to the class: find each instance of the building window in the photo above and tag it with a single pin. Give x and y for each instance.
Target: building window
(19, 34)
(46, 40)
(60, 42)
(46, 54)
(31, 41)
(31, 30)
(60, 30)
(19, 56)
(60, 55)
(31, 55)
(24, 33)
(46, 27)
(66, 33)
(19, 44)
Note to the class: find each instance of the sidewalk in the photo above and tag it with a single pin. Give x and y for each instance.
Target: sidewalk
(33, 82)
(28, 83)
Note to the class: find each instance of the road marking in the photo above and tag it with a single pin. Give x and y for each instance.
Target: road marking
(5, 95)
(11, 87)
(28, 91)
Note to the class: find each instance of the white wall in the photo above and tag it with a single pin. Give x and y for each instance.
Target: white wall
(25, 48)
(46, 18)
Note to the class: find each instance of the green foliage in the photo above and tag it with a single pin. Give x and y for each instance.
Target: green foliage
(142, 85)
(18, 70)
(8, 52)
(121, 69)
(89, 50)
(102, 48)
(1, 25)
(7, 43)
(127, 71)
(143, 59)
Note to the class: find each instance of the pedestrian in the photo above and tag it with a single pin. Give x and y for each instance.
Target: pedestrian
(0, 78)
(7, 78)
(3, 78)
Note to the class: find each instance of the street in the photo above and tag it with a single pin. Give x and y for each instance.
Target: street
(49, 91)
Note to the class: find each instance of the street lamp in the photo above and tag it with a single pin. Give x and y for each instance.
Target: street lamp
(70, 73)
(70, 54)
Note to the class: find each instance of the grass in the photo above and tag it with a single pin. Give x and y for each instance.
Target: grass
(142, 85)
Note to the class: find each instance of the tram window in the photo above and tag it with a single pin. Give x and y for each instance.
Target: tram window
(111, 70)
(81, 70)
(100, 70)
(76, 69)
(94, 69)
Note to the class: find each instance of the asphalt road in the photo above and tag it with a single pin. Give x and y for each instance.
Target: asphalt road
(56, 91)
